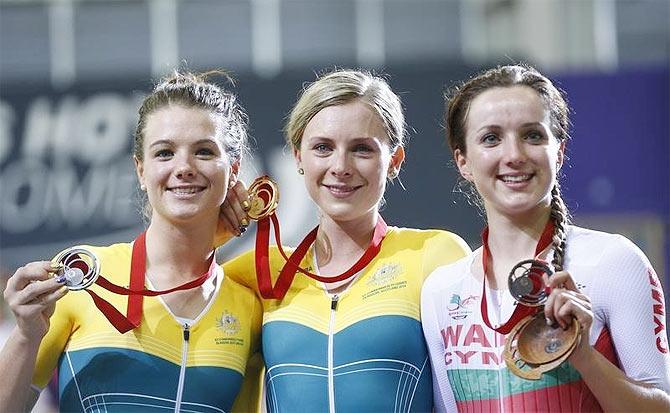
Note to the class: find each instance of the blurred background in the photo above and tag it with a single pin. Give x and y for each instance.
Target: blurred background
(72, 74)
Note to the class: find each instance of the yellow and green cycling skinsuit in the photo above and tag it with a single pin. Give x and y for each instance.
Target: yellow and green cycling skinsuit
(361, 350)
(162, 364)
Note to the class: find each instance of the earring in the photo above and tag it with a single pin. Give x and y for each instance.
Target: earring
(301, 171)
(393, 174)
(143, 188)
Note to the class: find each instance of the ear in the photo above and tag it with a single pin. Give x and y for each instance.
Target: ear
(561, 155)
(139, 170)
(297, 156)
(397, 158)
(462, 164)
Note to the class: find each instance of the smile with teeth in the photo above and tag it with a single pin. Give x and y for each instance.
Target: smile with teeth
(341, 189)
(515, 178)
(186, 190)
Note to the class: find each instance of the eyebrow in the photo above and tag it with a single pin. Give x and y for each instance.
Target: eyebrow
(362, 139)
(523, 125)
(169, 142)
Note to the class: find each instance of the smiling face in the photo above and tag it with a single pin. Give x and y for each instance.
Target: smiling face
(346, 157)
(185, 168)
(511, 154)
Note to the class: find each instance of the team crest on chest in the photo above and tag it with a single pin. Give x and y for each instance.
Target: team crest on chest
(228, 323)
(385, 274)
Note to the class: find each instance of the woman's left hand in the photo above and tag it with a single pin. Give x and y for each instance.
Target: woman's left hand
(565, 305)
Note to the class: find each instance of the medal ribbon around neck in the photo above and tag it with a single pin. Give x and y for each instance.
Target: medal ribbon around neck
(260, 189)
(521, 310)
(136, 291)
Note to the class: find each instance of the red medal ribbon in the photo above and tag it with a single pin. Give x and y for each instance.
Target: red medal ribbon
(293, 261)
(520, 310)
(136, 290)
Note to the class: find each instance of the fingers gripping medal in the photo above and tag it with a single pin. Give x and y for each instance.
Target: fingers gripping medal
(533, 347)
(79, 266)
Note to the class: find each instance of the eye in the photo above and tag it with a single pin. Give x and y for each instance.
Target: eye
(363, 148)
(163, 154)
(322, 148)
(205, 152)
(535, 137)
(490, 139)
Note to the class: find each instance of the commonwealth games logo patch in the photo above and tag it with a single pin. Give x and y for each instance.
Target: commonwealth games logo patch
(228, 323)
(460, 308)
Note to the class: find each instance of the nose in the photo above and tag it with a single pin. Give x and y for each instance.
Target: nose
(341, 164)
(514, 151)
(184, 167)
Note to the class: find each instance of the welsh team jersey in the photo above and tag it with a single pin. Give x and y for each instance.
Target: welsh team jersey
(161, 365)
(469, 373)
(361, 350)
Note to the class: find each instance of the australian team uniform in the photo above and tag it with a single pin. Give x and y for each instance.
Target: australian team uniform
(469, 373)
(360, 350)
(166, 364)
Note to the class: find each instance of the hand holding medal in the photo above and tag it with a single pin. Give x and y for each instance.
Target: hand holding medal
(81, 269)
(532, 347)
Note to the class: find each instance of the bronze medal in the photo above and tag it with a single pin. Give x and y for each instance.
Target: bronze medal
(532, 346)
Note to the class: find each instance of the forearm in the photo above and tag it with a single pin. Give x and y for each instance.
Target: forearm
(614, 390)
(17, 362)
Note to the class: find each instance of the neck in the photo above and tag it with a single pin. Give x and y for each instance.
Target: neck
(350, 237)
(513, 239)
(179, 251)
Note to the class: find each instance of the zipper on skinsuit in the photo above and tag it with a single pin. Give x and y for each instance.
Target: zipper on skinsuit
(331, 328)
(182, 370)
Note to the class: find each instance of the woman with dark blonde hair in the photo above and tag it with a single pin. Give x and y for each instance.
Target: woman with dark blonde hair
(347, 335)
(508, 129)
(183, 350)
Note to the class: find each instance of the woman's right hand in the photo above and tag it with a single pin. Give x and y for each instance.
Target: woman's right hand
(31, 293)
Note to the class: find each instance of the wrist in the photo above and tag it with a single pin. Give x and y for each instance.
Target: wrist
(582, 357)
(27, 340)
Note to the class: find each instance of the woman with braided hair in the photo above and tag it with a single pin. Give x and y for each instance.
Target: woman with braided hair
(507, 129)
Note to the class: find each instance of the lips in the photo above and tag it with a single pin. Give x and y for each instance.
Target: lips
(515, 178)
(342, 190)
(186, 190)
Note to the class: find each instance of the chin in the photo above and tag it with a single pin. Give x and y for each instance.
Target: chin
(520, 209)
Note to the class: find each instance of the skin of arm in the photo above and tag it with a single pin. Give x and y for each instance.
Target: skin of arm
(31, 293)
(614, 390)
(17, 361)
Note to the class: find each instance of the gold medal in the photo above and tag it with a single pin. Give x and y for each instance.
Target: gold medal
(264, 198)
